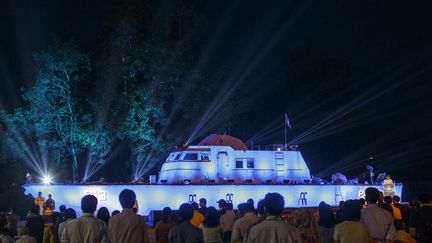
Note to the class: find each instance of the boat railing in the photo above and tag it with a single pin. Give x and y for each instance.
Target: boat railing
(274, 147)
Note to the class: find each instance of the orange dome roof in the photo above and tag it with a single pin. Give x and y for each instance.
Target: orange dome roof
(224, 140)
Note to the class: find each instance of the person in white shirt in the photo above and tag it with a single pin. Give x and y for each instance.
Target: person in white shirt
(379, 221)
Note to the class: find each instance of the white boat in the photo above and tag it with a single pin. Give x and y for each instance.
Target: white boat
(224, 159)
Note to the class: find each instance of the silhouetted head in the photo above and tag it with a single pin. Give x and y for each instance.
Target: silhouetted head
(211, 218)
(62, 208)
(202, 202)
(229, 206)
(186, 211)
(351, 211)
(70, 213)
(396, 199)
(166, 213)
(89, 204)
(388, 199)
(326, 216)
(260, 207)
(372, 195)
(103, 214)
(195, 205)
(115, 212)
(127, 198)
(274, 204)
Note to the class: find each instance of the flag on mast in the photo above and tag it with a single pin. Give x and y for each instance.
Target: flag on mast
(287, 121)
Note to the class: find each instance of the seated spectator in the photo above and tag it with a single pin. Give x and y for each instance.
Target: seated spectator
(420, 226)
(87, 228)
(211, 228)
(304, 220)
(241, 225)
(35, 224)
(197, 217)
(351, 230)
(127, 226)
(185, 232)
(227, 221)
(326, 223)
(164, 226)
(103, 214)
(378, 220)
(25, 237)
(69, 215)
(273, 228)
(5, 237)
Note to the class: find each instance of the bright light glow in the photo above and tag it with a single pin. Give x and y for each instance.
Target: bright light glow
(278, 149)
(47, 180)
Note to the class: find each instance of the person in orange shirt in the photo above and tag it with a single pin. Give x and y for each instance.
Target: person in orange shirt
(197, 217)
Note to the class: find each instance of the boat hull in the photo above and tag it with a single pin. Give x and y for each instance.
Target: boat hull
(156, 197)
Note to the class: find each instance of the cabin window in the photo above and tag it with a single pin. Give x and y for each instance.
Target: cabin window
(250, 163)
(191, 156)
(239, 163)
(177, 158)
(205, 156)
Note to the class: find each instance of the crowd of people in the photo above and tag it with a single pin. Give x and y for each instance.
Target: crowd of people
(375, 219)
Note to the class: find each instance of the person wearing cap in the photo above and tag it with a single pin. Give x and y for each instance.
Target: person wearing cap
(25, 237)
(203, 206)
(222, 207)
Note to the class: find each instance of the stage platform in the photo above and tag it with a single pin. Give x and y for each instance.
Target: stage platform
(156, 197)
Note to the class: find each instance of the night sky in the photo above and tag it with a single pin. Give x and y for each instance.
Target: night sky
(354, 77)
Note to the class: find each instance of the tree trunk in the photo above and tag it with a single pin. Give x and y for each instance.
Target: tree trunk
(74, 166)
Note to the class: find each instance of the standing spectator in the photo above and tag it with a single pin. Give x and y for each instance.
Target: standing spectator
(103, 214)
(40, 201)
(222, 207)
(227, 222)
(128, 226)
(412, 206)
(306, 226)
(70, 214)
(261, 215)
(87, 228)
(384, 205)
(241, 226)
(5, 237)
(338, 218)
(326, 223)
(378, 220)
(351, 230)
(185, 232)
(420, 225)
(273, 229)
(25, 238)
(203, 206)
(50, 203)
(164, 226)
(211, 228)
(35, 224)
(197, 217)
(403, 209)
(12, 220)
(397, 214)
(62, 209)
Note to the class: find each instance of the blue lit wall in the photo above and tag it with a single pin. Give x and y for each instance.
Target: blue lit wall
(155, 197)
